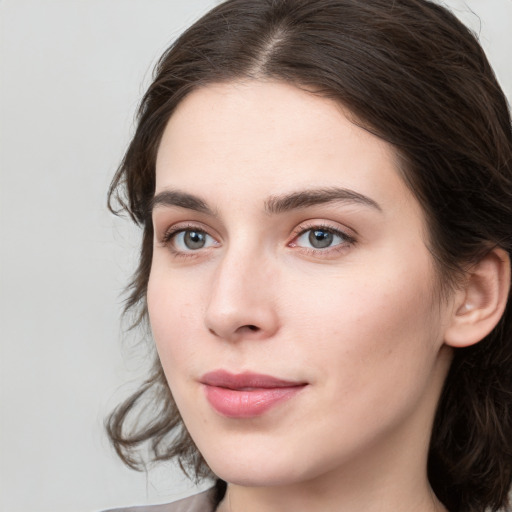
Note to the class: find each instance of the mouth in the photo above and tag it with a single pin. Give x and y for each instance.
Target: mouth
(247, 395)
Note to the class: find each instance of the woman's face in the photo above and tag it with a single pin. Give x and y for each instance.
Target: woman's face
(292, 296)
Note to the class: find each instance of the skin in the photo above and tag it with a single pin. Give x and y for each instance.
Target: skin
(358, 321)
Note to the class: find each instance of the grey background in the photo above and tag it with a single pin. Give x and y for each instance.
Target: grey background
(71, 75)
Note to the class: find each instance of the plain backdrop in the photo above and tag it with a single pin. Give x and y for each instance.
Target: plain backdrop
(71, 75)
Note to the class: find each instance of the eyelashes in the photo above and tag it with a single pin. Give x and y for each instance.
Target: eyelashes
(185, 240)
(313, 238)
(321, 237)
(188, 240)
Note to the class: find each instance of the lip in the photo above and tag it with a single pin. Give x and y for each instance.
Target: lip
(247, 395)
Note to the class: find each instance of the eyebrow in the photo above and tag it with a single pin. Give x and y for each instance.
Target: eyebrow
(274, 205)
(306, 198)
(180, 199)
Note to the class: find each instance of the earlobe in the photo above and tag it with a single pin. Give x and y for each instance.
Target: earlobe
(481, 302)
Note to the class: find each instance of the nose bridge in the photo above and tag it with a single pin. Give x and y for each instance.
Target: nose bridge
(241, 301)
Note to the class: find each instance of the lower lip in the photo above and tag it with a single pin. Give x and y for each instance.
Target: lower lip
(248, 403)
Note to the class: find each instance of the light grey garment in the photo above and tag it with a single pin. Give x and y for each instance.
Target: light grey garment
(201, 502)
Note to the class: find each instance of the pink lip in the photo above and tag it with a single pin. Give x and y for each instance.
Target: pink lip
(246, 395)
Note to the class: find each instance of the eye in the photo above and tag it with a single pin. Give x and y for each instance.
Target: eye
(319, 238)
(186, 240)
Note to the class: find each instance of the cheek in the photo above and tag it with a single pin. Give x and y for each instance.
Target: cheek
(368, 324)
(173, 309)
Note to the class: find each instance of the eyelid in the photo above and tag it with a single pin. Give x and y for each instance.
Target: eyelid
(322, 225)
(335, 228)
(166, 240)
(347, 235)
(173, 229)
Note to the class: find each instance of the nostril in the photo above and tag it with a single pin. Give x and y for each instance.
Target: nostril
(241, 329)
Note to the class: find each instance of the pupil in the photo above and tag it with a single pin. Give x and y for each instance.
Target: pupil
(320, 239)
(194, 239)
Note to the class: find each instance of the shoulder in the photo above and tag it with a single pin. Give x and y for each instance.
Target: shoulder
(201, 502)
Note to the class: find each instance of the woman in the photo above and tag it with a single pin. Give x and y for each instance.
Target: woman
(325, 192)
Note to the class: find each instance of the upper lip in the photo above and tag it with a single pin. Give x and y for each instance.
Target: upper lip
(245, 380)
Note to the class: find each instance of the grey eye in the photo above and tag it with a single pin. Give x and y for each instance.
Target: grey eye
(320, 238)
(192, 240)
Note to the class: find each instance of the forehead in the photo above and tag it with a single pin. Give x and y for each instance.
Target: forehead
(260, 138)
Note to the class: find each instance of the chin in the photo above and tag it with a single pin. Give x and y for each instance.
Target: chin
(252, 474)
(259, 466)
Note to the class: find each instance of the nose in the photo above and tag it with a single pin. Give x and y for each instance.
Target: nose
(242, 302)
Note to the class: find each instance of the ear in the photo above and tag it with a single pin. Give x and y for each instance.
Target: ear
(480, 304)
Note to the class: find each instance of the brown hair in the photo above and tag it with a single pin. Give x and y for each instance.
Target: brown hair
(412, 74)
